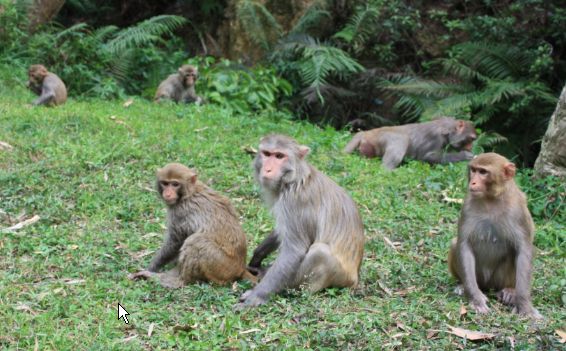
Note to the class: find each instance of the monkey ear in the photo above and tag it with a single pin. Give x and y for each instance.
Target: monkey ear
(460, 126)
(303, 151)
(509, 170)
(193, 179)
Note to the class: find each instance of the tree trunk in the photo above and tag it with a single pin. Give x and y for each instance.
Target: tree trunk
(43, 11)
(552, 157)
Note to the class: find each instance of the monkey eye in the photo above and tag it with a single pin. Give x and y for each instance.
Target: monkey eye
(175, 184)
(279, 155)
(482, 172)
(266, 153)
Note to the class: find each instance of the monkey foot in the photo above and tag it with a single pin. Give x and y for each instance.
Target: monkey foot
(140, 275)
(506, 296)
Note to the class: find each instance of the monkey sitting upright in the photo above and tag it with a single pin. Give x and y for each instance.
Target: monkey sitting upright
(47, 85)
(204, 235)
(180, 86)
(494, 247)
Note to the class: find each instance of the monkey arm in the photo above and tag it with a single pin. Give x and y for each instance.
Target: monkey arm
(47, 95)
(441, 157)
(168, 251)
(523, 277)
(267, 246)
(467, 268)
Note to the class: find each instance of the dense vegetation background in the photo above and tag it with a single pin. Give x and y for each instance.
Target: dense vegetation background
(303, 68)
(363, 64)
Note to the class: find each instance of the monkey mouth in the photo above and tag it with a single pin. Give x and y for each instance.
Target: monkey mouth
(468, 146)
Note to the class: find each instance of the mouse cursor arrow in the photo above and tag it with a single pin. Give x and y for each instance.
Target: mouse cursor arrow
(123, 313)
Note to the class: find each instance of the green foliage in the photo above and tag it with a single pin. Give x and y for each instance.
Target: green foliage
(492, 87)
(258, 23)
(105, 62)
(238, 88)
(89, 175)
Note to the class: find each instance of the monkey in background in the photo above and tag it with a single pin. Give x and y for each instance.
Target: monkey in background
(180, 86)
(204, 235)
(420, 141)
(494, 247)
(47, 85)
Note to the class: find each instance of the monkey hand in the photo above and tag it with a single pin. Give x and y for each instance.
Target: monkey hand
(145, 274)
(479, 304)
(506, 296)
(467, 155)
(250, 298)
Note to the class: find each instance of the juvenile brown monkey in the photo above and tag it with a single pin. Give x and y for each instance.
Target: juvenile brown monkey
(494, 247)
(318, 229)
(47, 85)
(180, 86)
(204, 234)
(420, 141)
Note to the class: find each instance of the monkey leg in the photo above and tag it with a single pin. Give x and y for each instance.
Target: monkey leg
(202, 260)
(321, 269)
(451, 259)
(395, 149)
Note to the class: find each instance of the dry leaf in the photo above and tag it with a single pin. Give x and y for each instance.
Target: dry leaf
(249, 331)
(463, 310)
(150, 329)
(394, 245)
(74, 281)
(141, 254)
(432, 334)
(384, 288)
(448, 199)
(404, 292)
(201, 129)
(470, 334)
(128, 102)
(6, 146)
(249, 150)
(562, 335)
(20, 225)
(130, 338)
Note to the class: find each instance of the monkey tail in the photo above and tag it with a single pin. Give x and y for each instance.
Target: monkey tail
(249, 277)
(354, 143)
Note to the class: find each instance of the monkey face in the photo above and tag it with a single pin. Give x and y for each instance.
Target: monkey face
(463, 137)
(36, 75)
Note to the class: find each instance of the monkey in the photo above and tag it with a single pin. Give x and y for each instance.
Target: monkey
(180, 86)
(318, 229)
(420, 141)
(204, 234)
(494, 246)
(47, 85)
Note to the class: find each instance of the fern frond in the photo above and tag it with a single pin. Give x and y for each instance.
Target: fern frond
(145, 32)
(103, 33)
(77, 28)
(487, 140)
(310, 19)
(258, 23)
(361, 26)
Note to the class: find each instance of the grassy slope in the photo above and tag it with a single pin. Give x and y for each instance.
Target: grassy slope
(85, 169)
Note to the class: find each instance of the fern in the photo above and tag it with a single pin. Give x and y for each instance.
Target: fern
(487, 140)
(361, 26)
(310, 19)
(258, 23)
(145, 32)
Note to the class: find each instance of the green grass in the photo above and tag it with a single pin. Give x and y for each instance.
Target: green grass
(85, 168)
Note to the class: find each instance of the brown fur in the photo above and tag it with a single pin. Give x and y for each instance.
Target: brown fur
(420, 141)
(494, 247)
(47, 85)
(203, 233)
